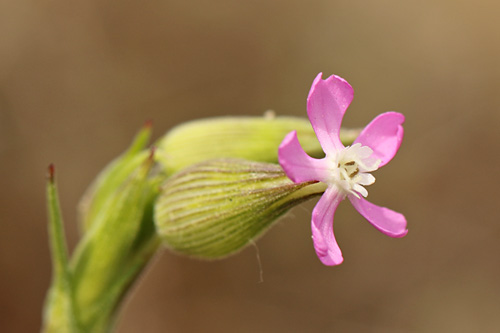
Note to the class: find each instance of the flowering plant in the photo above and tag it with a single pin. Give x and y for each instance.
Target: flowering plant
(209, 188)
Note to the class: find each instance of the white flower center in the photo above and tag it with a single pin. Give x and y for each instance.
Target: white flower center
(350, 169)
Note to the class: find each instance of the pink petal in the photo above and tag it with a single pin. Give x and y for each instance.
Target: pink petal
(389, 222)
(325, 244)
(299, 166)
(383, 135)
(327, 102)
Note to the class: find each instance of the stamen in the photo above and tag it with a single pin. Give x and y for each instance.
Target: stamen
(354, 173)
(350, 163)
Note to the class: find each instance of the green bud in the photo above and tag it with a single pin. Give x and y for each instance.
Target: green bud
(114, 250)
(251, 138)
(96, 198)
(215, 208)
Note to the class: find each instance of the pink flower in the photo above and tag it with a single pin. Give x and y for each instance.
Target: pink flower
(345, 170)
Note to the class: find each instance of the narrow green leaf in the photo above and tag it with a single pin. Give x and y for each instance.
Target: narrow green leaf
(59, 315)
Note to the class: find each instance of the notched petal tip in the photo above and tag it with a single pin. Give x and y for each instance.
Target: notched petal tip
(387, 221)
(318, 78)
(338, 86)
(327, 103)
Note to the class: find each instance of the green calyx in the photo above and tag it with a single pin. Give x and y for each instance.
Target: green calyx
(251, 138)
(101, 191)
(215, 208)
(115, 248)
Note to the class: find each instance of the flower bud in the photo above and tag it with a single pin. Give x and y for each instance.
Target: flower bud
(98, 195)
(252, 138)
(113, 251)
(215, 208)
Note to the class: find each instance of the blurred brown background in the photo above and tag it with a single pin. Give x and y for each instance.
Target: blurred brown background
(77, 79)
